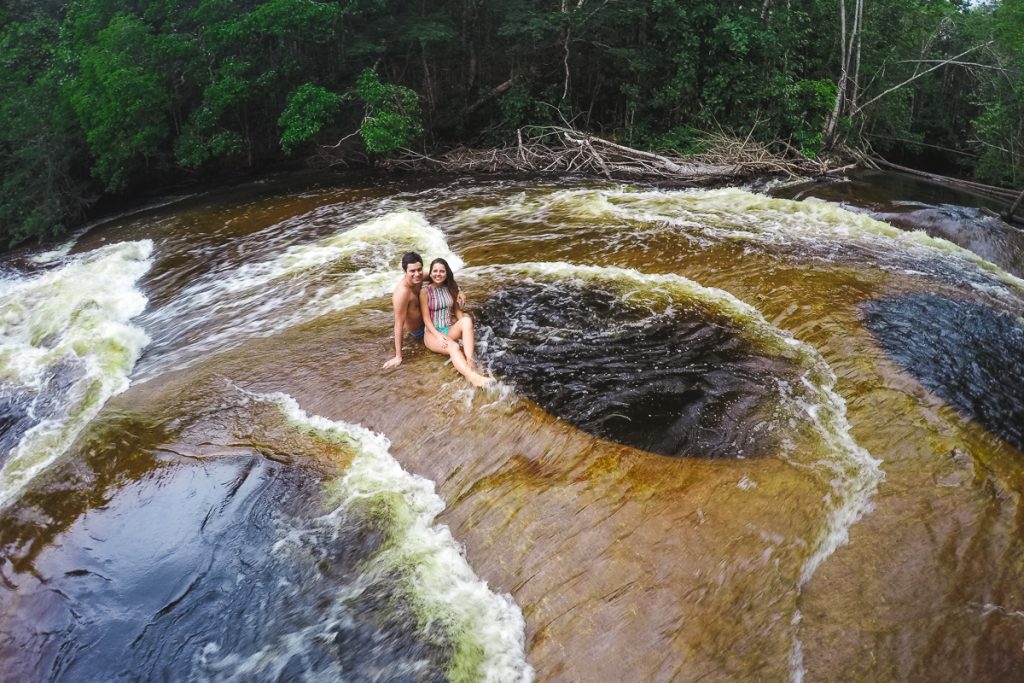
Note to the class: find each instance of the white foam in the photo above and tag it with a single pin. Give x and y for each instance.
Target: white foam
(369, 238)
(486, 629)
(797, 671)
(659, 288)
(74, 320)
(817, 228)
(300, 284)
(55, 254)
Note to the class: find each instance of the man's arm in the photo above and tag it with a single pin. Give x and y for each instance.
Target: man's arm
(400, 302)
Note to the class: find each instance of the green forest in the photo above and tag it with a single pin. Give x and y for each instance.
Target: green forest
(103, 100)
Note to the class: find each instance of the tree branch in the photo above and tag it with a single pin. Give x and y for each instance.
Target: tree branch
(916, 76)
(958, 63)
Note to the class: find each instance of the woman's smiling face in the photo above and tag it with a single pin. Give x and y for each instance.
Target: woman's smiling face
(438, 273)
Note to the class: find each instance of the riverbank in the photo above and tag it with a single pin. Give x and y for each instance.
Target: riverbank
(552, 152)
(538, 152)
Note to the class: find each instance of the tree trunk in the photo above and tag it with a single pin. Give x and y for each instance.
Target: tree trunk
(469, 32)
(856, 36)
(837, 108)
(1013, 209)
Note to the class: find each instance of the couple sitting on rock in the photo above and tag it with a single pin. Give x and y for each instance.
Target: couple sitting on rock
(433, 314)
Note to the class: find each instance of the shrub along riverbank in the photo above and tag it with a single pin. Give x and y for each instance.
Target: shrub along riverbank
(112, 98)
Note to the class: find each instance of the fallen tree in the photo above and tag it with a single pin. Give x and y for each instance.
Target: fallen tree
(1013, 198)
(564, 150)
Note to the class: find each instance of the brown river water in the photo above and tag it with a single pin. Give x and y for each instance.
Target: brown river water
(735, 435)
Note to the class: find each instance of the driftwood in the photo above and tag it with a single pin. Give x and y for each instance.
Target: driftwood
(489, 95)
(1011, 197)
(1016, 203)
(563, 150)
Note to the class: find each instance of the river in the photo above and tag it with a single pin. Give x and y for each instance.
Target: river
(736, 434)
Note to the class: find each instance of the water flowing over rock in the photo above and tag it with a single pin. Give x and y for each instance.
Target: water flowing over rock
(733, 436)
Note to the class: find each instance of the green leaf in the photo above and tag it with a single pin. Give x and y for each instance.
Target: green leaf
(391, 113)
(310, 108)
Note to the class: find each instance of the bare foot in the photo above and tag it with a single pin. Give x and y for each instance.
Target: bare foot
(479, 381)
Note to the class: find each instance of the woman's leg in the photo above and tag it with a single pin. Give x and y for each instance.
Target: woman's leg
(463, 366)
(463, 329)
(453, 351)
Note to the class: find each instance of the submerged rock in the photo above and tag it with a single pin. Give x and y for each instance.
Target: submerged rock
(970, 355)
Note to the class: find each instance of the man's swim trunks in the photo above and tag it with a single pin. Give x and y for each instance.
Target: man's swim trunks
(418, 336)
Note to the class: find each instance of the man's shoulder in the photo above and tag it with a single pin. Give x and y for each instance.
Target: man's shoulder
(403, 292)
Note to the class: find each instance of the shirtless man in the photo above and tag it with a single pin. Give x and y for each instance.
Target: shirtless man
(406, 302)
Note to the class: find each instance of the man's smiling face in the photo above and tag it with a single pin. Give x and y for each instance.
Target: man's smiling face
(414, 274)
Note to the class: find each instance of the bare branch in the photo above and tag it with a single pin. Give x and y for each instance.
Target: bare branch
(948, 61)
(916, 76)
(338, 143)
(922, 144)
(558, 149)
(1013, 208)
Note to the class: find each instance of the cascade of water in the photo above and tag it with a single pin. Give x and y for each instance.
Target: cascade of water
(768, 374)
(67, 346)
(305, 281)
(485, 631)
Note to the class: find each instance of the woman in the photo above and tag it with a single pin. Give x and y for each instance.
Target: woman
(446, 323)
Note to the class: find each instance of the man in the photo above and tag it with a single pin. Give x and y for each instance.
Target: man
(406, 302)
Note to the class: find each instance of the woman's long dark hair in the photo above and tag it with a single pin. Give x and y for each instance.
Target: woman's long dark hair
(449, 279)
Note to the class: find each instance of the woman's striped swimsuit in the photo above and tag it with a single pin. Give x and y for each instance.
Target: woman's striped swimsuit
(442, 311)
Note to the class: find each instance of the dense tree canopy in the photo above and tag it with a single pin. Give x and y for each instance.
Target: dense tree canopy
(111, 97)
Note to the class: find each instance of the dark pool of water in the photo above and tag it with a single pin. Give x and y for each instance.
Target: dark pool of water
(970, 355)
(676, 383)
(181, 575)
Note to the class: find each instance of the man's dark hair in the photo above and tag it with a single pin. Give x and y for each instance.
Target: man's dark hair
(409, 258)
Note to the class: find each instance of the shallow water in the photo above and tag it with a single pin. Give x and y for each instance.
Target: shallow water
(733, 436)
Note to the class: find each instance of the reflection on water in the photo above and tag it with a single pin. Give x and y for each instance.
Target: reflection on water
(201, 524)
